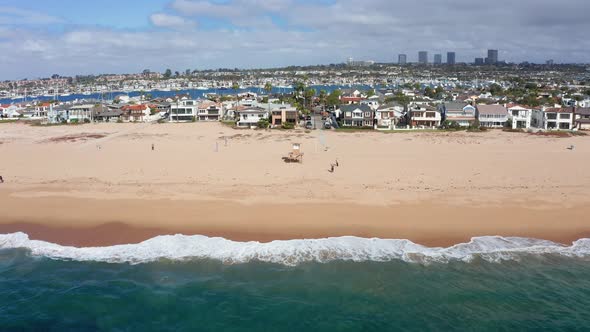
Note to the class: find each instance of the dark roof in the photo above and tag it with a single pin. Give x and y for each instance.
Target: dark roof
(391, 104)
(350, 108)
(110, 113)
(455, 105)
(583, 111)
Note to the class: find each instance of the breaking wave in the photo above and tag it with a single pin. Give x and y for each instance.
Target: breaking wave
(293, 252)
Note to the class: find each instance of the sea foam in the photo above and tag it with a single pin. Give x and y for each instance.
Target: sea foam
(293, 252)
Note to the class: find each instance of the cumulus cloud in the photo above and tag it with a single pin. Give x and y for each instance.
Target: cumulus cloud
(264, 33)
(170, 21)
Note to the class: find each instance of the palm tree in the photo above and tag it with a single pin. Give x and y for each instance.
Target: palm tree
(268, 87)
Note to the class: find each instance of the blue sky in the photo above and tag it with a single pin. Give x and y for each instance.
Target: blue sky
(42, 37)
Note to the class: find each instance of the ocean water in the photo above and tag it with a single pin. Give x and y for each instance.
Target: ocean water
(195, 283)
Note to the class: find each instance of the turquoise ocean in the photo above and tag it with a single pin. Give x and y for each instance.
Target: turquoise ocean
(196, 283)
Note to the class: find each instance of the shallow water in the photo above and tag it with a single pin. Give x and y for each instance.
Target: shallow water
(531, 292)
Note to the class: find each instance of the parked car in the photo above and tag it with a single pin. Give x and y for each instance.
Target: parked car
(327, 125)
(308, 118)
(308, 125)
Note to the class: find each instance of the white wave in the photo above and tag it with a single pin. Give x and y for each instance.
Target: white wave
(293, 252)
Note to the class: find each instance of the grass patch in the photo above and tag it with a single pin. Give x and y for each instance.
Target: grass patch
(561, 134)
(9, 121)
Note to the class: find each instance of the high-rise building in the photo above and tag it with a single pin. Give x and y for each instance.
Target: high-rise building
(423, 57)
(438, 59)
(492, 57)
(450, 58)
(402, 59)
(479, 61)
(549, 62)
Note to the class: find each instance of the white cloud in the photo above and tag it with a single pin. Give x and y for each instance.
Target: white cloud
(170, 21)
(309, 33)
(11, 15)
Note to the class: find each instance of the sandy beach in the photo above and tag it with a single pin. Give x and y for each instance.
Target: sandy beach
(101, 184)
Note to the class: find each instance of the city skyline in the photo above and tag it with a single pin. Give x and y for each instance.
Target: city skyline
(69, 37)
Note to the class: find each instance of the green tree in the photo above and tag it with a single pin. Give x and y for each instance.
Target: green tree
(168, 73)
(495, 89)
(268, 87)
(333, 98)
(370, 93)
(235, 86)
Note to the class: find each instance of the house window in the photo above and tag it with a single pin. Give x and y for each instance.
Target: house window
(368, 123)
(564, 125)
(348, 114)
(565, 116)
(551, 116)
(367, 114)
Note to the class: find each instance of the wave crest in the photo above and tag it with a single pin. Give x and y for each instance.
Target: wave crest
(293, 252)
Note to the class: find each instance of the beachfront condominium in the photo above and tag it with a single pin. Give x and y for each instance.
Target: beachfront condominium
(450, 58)
(402, 59)
(492, 58)
(423, 57)
(438, 59)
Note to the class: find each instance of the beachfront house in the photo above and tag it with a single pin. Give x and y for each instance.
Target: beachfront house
(424, 116)
(492, 116)
(582, 116)
(80, 113)
(210, 111)
(249, 117)
(108, 115)
(357, 116)
(521, 116)
(135, 113)
(388, 116)
(558, 118)
(10, 111)
(284, 115)
(184, 110)
(459, 112)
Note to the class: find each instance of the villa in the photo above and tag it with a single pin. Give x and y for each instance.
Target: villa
(284, 115)
(184, 110)
(250, 117)
(492, 116)
(210, 111)
(357, 116)
(387, 116)
(521, 116)
(582, 118)
(555, 118)
(462, 113)
(424, 116)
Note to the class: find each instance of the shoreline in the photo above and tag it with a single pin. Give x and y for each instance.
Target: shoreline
(95, 222)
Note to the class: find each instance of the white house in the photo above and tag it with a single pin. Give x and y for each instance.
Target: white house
(492, 116)
(184, 110)
(80, 113)
(424, 116)
(373, 104)
(250, 117)
(387, 116)
(521, 116)
(558, 118)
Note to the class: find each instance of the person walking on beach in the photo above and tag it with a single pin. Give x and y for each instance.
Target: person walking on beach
(331, 168)
(337, 163)
(152, 146)
(1, 179)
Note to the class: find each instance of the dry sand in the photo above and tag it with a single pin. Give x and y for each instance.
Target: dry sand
(101, 184)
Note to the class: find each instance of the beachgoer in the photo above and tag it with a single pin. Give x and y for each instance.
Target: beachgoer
(152, 146)
(1, 179)
(337, 163)
(332, 168)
